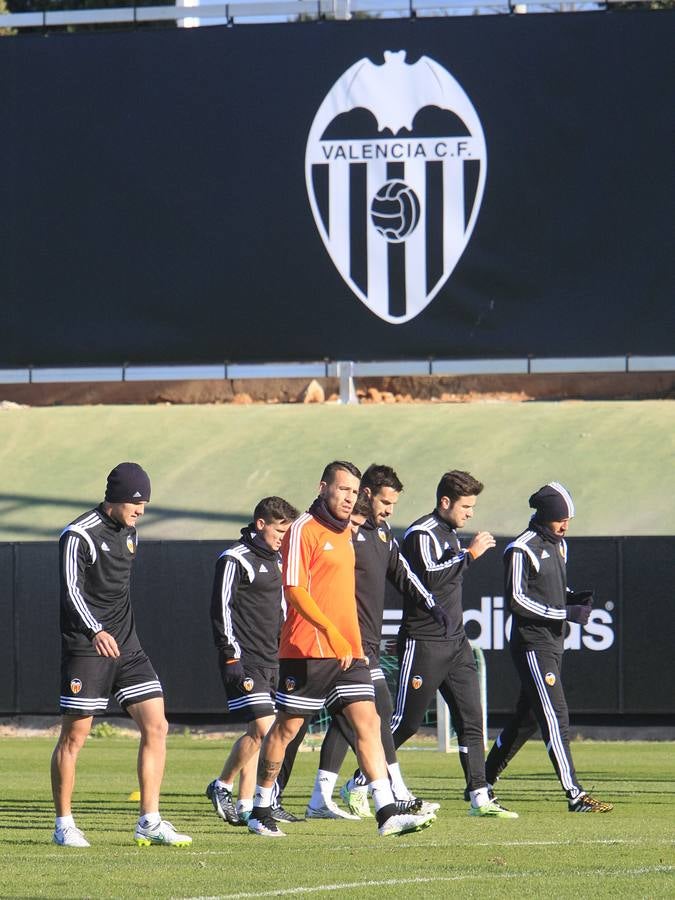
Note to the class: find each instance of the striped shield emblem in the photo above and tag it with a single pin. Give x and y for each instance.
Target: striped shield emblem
(395, 169)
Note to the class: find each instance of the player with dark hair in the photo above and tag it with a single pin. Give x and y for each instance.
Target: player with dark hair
(535, 582)
(435, 655)
(101, 654)
(378, 560)
(246, 617)
(321, 659)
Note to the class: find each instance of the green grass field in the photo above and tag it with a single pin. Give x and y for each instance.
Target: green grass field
(546, 852)
(211, 464)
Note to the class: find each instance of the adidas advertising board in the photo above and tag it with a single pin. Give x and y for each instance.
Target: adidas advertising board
(395, 168)
(611, 665)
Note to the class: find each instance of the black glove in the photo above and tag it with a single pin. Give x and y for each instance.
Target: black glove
(585, 597)
(440, 617)
(234, 672)
(579, 612)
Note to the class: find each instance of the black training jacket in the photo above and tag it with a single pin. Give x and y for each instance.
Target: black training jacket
(435, 555)
(246, 601)
(535, 583)
(378, 558)
(95, 558)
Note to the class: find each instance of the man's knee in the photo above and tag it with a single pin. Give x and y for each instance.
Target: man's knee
(363, 718)
(73, 734)
(284, 729)
(154, 729)
(257, 729)
(403, 732)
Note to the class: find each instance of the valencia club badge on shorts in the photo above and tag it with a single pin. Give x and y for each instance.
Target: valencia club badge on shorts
(247, 684)
(549, 678)
(75, 686)
(291, 684)
(416, 681)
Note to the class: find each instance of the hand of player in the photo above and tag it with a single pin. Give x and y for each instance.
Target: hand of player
(483, 541)
(583, 597)
(105, 644)
(234, 672)
(340, 647)
(440, 617)
(578, 612)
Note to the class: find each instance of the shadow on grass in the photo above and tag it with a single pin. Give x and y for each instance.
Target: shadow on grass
(28, 502)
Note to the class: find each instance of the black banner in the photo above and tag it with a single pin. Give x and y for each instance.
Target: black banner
(619, 664)
(487, 186)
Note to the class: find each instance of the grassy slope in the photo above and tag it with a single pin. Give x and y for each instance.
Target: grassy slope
(210, 464)
(546, 852)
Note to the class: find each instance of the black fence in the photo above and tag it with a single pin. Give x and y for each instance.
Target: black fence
(463, 187)
(621, 664)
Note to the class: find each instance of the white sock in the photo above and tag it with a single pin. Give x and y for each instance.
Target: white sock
(149, 819)
(398, 788)
(263, 796)
(322, 792)
(64, 821)
(244, 806)
(382, 794)
(480, 797)
(224, 784)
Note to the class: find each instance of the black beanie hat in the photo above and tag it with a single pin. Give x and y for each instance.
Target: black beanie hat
(552, 503)
(127, 483)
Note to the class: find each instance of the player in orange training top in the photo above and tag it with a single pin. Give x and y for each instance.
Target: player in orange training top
(321, 658)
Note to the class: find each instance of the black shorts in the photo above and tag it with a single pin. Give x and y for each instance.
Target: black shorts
(88, 681)
(253, 697)
(307, 685)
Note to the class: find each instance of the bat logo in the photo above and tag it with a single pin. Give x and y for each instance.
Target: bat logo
(395, 169)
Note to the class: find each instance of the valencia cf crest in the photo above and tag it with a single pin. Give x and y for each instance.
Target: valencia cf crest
(395, 169)
(130, 544)
(75, 686)
(247, 684)
(416, 681)
(549, 678)
(291, 684)
(382, 534)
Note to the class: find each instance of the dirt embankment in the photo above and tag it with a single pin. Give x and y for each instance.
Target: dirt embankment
(404, 389)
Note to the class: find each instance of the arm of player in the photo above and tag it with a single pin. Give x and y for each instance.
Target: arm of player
(303, 602)
(435, 571)
(226, 581)
(76, 556)
(402, 576)
(517, 570)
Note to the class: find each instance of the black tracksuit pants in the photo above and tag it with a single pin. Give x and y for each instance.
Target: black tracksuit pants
(449, 667)
(541, 702)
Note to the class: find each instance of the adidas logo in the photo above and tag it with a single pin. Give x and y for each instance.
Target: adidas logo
(360, 537)
(263, 568)
(137, 494)
(545, 555)
(328, 546)
(104, 546)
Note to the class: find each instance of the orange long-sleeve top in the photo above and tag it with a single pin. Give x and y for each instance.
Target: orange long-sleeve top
(321, 561)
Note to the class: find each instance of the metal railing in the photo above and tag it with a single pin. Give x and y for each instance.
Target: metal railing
(344, 370)
(243, 11)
